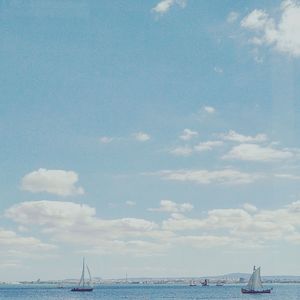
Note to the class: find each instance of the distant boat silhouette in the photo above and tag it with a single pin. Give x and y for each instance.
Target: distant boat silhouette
(205, 283)
(84, 286)
(254, 285)
(193, 283)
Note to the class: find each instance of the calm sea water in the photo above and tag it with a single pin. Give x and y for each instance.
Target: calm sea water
(280, 292)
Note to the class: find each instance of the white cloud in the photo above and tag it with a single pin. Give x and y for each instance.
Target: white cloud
(237, 137)
(9, 238)
(204, 241)
(106, 139)
(209, 145)
(200, 147)
(58, 182)
(182, 151)
(73, 216)
(77, 224)
(256, 20)
(218, 70)
(254, 152)
(188, 134)
(282, 35)
(288, 176)
(172, 207)
(137, 248)
(226, 176)
(50, 213)
(164, 6)
(216, 218)
(130, 203)
(232, 17)
(249, 208)
(209, 109)
(238, 224)
(141, 136)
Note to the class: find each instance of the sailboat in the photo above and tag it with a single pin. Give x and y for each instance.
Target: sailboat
(193, 283)
(84, 286)
(205, 283)
(254, 285)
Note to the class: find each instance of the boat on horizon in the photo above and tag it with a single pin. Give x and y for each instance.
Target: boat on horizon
(205, 283)
(84, 286)
(254, 285)
(193, 283)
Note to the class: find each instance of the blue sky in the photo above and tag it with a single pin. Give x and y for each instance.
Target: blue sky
(157, 138)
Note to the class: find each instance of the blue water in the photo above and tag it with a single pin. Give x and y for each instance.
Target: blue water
(145, 292)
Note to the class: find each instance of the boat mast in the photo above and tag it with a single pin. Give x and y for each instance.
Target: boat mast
(83, 267)
(90, 277)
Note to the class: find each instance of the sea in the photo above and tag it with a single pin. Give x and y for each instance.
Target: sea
(145, 292)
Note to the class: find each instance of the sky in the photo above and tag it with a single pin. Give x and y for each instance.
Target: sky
(156, 138)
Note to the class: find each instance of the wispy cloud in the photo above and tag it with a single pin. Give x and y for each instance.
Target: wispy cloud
(209, 145)
(188, 134)
(106, 139)
(164, 6)
(237, 137)
(232, 17)
(254, 152)
(182, 151)
(249, 207)
(172, 207)
(288, 176)
(188, 150)
(141, 136)
(225, 176)
(204, 241)
(13, 245)
(218, 70)
(209, 109)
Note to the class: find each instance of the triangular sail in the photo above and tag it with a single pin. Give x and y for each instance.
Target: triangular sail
(84, 285)
(254, 283)
(81, 281)
(90, 283)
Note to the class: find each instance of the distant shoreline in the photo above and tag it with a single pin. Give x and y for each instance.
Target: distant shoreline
(226, 280)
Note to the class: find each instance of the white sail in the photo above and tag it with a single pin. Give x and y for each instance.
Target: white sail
(254, 283)
(90, 283)
(84, 285)
(81, 281)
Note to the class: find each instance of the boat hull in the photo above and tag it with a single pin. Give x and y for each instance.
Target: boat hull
(82, 290)
(244, 291)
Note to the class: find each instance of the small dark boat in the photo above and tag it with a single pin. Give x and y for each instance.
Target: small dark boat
(60, 287)
(205, 283)
(82, 289)
(254, 285)
(84, 286)
(245, 291)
